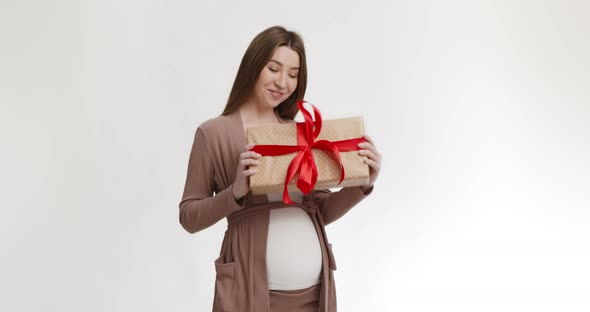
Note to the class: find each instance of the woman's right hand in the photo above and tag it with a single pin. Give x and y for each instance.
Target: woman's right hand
(246, 167)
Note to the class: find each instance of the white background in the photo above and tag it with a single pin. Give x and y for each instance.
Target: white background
(481, 110)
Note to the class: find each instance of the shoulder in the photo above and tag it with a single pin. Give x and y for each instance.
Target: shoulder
(215, 126)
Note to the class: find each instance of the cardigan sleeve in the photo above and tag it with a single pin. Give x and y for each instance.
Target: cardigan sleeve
(334, 205)
(199, 208)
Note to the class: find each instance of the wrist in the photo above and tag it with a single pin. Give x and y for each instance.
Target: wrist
(233, 192)
(236, 196)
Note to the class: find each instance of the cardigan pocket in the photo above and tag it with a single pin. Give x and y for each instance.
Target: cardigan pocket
(332, 260)
(224, 285)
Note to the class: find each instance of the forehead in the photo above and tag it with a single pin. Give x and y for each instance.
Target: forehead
(286, 57)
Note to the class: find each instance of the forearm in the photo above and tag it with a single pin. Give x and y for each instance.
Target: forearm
(198, 214)
(334, 205)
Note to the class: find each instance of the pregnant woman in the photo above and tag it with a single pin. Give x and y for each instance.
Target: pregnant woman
(274, 256)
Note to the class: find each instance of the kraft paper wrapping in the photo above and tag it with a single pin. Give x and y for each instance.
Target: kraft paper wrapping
(272, 170)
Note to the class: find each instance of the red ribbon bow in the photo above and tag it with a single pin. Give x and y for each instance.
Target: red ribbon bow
(304, 163)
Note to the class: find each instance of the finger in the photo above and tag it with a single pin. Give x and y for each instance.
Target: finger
(375, 152)
(249, 172)
(370, 147)
(249, 154)
(368, 153)
(372, 163)
(249, 162)
(249, 146)
(368, 138)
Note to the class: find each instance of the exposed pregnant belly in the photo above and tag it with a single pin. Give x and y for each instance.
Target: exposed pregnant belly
(293, 254)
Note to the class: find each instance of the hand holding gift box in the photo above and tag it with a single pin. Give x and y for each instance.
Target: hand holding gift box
(299, 155)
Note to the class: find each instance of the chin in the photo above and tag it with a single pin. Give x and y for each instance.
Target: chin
(273, 104)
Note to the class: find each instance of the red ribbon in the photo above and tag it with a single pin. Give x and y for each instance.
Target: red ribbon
(304, 163)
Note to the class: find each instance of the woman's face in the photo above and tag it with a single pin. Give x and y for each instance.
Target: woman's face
(278, 78)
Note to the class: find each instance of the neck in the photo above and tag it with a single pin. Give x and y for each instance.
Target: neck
(252, 113)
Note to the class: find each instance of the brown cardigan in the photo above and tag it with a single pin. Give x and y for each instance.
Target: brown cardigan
(241, 281)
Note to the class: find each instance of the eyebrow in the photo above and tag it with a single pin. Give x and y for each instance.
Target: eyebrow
(282, 64)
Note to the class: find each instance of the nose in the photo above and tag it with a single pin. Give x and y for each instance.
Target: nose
(281, 81)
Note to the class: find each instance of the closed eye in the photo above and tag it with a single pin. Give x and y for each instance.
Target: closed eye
(275, 70)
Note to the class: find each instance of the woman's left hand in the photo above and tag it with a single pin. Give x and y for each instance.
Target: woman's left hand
(373, 159)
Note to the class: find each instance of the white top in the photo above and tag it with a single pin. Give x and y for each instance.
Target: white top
(293, 253)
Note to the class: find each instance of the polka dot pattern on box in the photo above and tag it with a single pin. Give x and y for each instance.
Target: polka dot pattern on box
(272, 171)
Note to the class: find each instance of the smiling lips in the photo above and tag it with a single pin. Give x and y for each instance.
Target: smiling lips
(275, 94)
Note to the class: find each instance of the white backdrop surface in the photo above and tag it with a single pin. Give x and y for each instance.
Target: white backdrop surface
(481, 110)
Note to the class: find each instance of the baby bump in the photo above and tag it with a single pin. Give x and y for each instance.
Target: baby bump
(294, 255)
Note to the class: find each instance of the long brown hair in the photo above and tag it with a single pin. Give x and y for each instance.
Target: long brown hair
(256, 57)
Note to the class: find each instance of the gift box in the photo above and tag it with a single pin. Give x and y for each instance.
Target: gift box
(318, 154)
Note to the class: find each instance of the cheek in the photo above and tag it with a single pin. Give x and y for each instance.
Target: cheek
(292, 85)
(265, 78)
